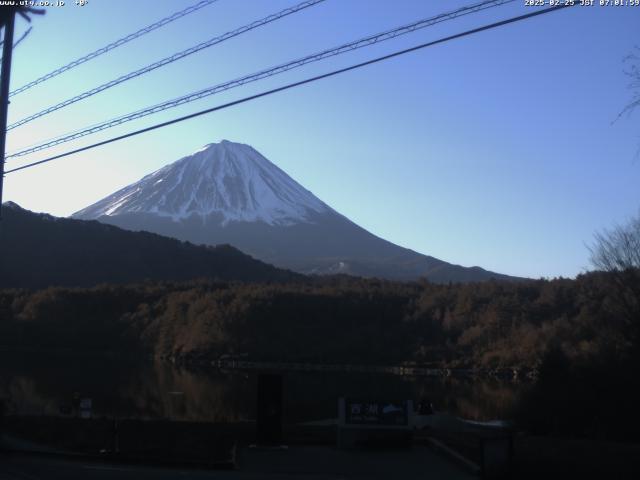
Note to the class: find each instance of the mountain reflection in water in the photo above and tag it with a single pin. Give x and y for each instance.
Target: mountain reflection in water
(32, 385)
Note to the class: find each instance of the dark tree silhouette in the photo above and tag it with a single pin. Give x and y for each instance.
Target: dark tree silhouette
(618, 251)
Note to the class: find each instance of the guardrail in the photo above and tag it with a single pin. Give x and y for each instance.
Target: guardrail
(234, 364)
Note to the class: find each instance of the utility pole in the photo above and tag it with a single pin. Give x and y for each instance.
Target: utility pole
(7, 50)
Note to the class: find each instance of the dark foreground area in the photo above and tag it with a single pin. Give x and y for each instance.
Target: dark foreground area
(296, 462)
(98, 448)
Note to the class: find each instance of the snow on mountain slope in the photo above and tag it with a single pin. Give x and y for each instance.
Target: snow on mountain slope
(229, 193)
(226, 178)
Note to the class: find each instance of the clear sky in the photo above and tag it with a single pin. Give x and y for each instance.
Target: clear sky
(498, 149)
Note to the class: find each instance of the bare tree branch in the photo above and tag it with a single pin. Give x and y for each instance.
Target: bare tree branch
(632, 70)
(617, 251)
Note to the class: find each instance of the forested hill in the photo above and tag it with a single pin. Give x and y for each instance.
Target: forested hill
(328, 320)
(40, 250)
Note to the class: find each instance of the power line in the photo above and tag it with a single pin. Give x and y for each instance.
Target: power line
(168, 60)
(297, 84)
(113, 45)
(22, 37)
(363, 42)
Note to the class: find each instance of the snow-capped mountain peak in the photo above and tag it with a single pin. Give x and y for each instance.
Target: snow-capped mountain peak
(228, 179)
(229, 193)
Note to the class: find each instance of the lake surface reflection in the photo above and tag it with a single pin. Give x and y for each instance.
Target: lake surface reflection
(124, 388)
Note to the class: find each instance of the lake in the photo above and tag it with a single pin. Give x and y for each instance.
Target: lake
(148, 389)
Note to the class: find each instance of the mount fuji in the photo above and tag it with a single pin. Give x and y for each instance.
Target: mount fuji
(229, 193)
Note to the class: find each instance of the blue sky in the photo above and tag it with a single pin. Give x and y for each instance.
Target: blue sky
(498, 149)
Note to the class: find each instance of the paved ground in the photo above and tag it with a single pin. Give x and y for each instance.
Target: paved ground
(322, 462)
(317, 463)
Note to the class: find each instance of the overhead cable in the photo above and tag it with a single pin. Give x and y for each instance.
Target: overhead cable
(363, 42)
(113, 45)
(295, 84)
(167, 60)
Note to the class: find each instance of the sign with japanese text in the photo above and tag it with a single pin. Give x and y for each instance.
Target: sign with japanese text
(362, 412)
